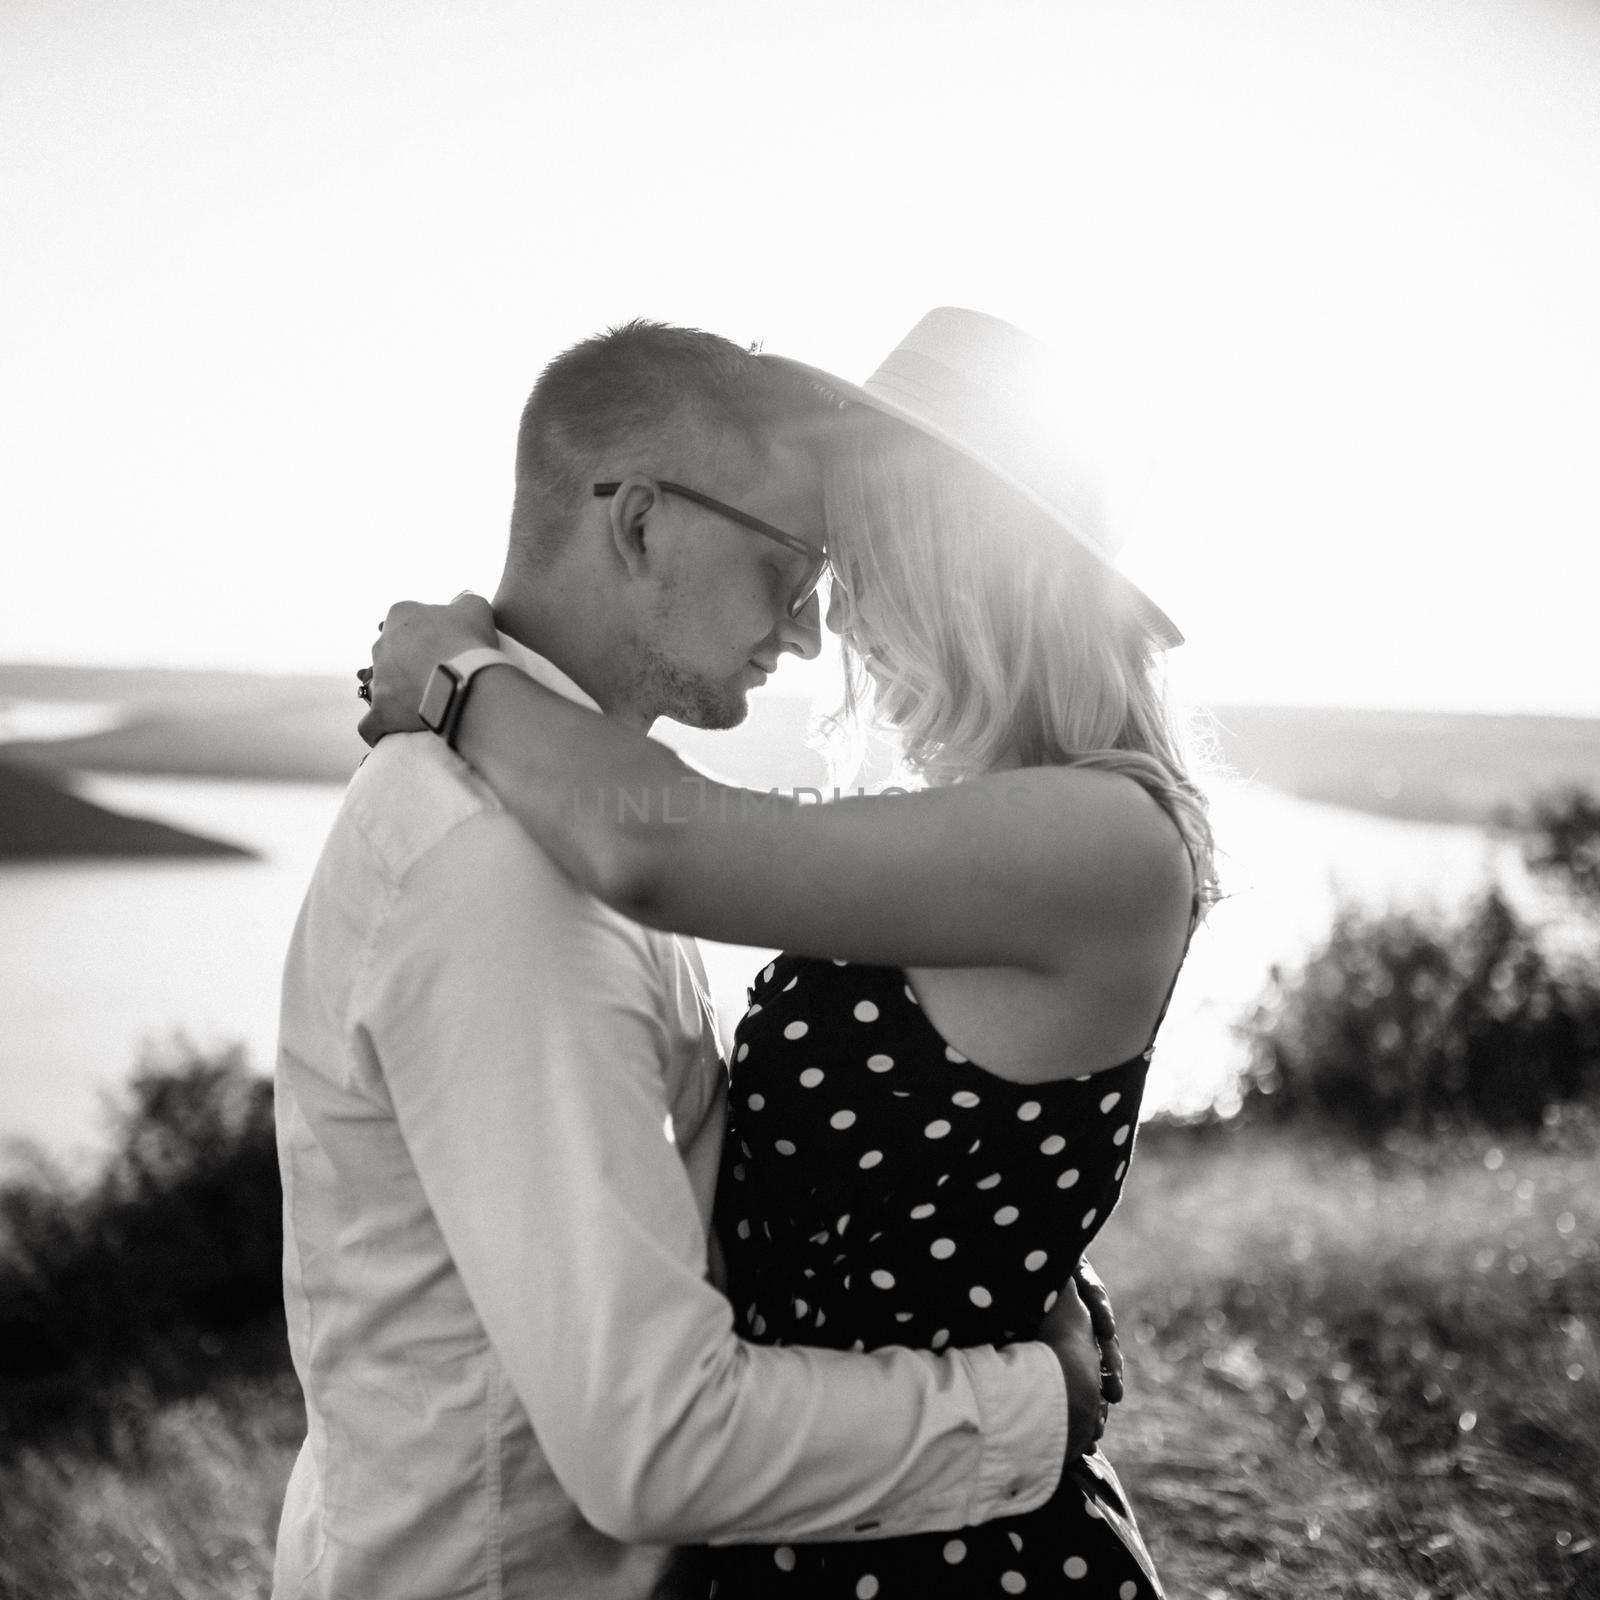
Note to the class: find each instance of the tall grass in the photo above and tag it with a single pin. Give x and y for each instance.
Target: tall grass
(1370, 1375)
(189, 1514)
(1363, 1373)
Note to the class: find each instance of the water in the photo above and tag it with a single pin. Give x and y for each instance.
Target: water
(98, 959)
(58, 719)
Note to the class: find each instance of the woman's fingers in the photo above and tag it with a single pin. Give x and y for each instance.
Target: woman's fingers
(412, 639)
(1093, 1293)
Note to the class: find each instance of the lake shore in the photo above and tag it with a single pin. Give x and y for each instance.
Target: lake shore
(43, 820)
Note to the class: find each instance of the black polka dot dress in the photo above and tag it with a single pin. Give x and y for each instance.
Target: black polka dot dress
(878, 1188)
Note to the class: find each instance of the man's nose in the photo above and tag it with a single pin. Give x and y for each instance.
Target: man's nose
(803, 633)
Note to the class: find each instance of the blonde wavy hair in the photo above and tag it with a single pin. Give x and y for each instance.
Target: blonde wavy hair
(979, 636)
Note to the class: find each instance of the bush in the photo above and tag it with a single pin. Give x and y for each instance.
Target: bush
(1561, 843)
(163, 1274)
(1409, 1021)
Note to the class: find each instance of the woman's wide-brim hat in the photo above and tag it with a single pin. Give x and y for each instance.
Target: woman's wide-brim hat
(973, 383)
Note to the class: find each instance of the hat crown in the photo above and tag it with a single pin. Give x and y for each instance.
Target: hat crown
(989, 388)
(997, 396)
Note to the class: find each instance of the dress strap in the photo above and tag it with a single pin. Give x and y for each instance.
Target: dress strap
(1188, 939)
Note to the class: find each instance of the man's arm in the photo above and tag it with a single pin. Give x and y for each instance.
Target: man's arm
(520, 1032)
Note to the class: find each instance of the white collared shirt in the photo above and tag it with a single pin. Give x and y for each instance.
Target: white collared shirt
(499, 1118)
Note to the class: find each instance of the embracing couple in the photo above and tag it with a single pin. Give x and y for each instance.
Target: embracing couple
(578, 1308)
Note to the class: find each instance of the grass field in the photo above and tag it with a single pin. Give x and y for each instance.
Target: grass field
(1362, 1378)
(1348, 1377)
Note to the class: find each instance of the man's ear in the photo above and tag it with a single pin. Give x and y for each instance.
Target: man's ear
(628, 511)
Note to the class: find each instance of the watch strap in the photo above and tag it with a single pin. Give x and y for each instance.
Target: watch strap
(445, 697)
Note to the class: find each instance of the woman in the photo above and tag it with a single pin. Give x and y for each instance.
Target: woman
(934, 1091)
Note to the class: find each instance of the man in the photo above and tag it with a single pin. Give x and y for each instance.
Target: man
(500, 1103)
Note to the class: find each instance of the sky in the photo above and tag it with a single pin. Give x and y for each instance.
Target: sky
(275, 277)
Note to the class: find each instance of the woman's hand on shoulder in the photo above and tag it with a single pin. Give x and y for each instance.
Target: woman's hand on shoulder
(413, 639)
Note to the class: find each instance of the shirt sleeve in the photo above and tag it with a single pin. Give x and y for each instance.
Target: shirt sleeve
(520, 1030)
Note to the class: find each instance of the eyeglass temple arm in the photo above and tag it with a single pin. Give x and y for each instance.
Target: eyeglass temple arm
(792, 540)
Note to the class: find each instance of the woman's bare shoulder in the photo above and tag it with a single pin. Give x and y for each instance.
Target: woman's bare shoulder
(1103, 832)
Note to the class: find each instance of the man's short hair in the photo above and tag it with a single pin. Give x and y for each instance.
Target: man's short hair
(644, 397)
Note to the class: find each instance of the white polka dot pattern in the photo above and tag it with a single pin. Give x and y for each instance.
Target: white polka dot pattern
(846, 1100)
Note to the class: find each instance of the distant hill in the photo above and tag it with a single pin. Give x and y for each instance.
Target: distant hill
(1435, 766)
(1432, 766)
(40, 820)
(238, 725)
(201, 724)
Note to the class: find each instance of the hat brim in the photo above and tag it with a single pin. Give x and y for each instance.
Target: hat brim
(1157, 623)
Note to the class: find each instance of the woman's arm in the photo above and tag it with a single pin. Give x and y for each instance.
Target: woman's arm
(1024, 868)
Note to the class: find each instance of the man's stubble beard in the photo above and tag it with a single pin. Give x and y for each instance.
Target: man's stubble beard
(672, 690)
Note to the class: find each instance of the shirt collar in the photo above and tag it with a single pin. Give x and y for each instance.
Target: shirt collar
(545, 672)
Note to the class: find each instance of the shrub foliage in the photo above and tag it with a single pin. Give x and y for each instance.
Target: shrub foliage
(165, 1272)
(1561, 842)
(1403, 1020)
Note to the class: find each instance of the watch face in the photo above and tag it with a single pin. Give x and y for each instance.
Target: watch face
(437, 696)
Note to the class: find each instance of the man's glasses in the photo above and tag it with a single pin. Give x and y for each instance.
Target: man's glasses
(816, 558)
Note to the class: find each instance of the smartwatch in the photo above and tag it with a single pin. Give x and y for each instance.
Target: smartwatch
(445, 697)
